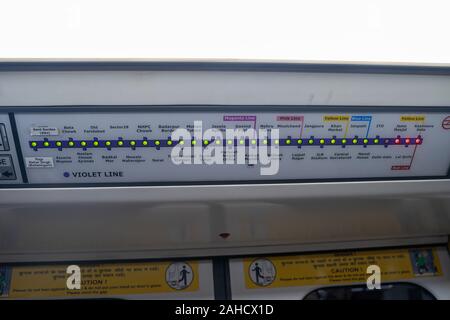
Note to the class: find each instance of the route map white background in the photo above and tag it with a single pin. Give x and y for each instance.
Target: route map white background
(344, 30)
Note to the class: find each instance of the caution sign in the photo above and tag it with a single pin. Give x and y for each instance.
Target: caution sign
(339, 268)
(328, 118)
(99, 280)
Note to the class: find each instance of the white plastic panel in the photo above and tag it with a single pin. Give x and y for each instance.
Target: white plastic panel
(130, 147)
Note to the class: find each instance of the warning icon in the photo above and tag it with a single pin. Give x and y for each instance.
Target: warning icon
(179, 275)
(262, 272)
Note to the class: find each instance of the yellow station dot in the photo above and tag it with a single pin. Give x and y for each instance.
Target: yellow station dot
(253, 141)
(194, 142)
(120, 143)
(181, 142)
(169, 142)
(46, 144)
(299, 141)
(241, 141)
(277, 141)
(95, 143)
(333, 141)
(366, 141)
(107, 143)
(344, 141)
(58, 143)
(322, 141)
(157, 143)
(265, 141)
(355, 141)
(83, 143)
(34, 144)
(230, 141)
(218, 141)
(71, 143)
(145, 143)
(132, 143)
(205, 142)
(311, 141)
(376, 141)
(288, 141)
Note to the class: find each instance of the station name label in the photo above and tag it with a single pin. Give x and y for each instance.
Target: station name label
(336, 118)
(412, 118)
(44, 131)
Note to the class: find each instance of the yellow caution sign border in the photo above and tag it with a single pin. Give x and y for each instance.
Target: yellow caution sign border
(340, 268)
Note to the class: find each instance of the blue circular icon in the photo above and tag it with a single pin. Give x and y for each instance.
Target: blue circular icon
(66, 174)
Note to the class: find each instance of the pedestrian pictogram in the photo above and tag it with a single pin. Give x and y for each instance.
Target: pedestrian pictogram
(179, 275)
(262, 272)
